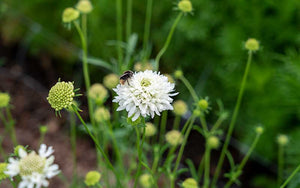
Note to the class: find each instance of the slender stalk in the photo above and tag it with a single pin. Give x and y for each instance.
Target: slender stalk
(203, 121)
(9, 124)
(244, 161)
(73, 145)
(200, 168)
(86, 71)
(176, 122)
(119, 33)
(217, 124)
(233, 120)
(163, 124)
(129, 19)
(166, 45)
(147, 26)
(139, 149)
(190, 88)
(206, 166)
(186, 135)
(290, 177)
(84, 26)
(280, 164)
(156, 159)
(110, 166)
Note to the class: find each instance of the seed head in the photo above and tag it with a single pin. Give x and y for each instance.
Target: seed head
(189, 183)
(259, 129)
(185, 6)
(180, 107)
(150, 129)
(252, 44)
(146, 180)
(282, 140)
(98, 93)
(213, 142)
(102, 114)
(178, 74)
(61, 95)
(69, 15)
(111, 81)
(4, 100)
(84, 6)
(92, 178)
(174, 138)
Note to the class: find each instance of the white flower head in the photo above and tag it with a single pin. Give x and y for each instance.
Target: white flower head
(34, 169)
(145, 94)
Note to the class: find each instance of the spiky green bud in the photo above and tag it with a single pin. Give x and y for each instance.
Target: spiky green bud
(92, 178)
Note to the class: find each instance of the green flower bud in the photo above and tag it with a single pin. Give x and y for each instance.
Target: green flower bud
(143, 66)
(43, 129)
(203, 104)
(174, 138)
(111, 81)
(252, 44)
(84, 6)
(282, 140)
(92, 178)
(259, 130)
(213, 142)
(189, 183)
(180, 107)
(146, 180)
(185, 6)
(102, 114)
(178, 74)
(2, 170)
(150, 129)
(69, 15)
(4, 100)
(61, 95)
(98, 93)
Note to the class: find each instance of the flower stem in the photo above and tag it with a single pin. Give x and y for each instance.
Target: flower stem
(233, 120)
(9, 125)
(166, 45)
(139, 149)
(73, 145)
(290, 177)
(176, 122)
(244, 161)
(110, 166)
(206, 166)
(190, 88)
(86, 71)
(147, 26)
(280, 164)
(163, 124)
(129, 19)
(119, 33)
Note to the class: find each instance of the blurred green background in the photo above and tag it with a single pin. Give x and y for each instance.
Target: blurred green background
(207, 46)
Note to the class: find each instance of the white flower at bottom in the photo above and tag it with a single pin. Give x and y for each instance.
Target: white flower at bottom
(145, 93)
(34, 169)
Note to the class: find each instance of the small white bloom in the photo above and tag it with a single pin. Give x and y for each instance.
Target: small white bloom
(34, 169)
(146, 93)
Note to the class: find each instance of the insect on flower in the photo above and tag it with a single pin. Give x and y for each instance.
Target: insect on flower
(125, 77)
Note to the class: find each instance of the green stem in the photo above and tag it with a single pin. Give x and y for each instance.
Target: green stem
(233, 120)
(129, 19)
(163, 124)
(200, 168)
(190, 88)
(186, 135)
(280, 164)
(86, 72)
(207, 166)
(119, 33)
(84, 25)
(73, 145)
(10, 125)
(147, 26)
(244, 161)
(217, 124)
(166, 45)
(139, 149)
(176, 122)
(203, 121)
(290, 177)
(156, 159)
(110, 166)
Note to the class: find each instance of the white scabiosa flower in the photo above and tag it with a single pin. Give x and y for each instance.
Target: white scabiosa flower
(145, 94)
(34, 169)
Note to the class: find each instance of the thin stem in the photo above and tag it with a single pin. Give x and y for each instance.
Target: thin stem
(217, 124)
(200, 168)
(129, 19)
(176, 122)
(163, 124)
(190, 88)
(280, 164)
(203, 121)
(207, 166)
(244, 161)
(86, 71)
(119, 32)
(290, 177)
(9, 125)
(166, 45)
(84, 25)
(73, 144)
(187, 133)
(156, 159)
(139, 149)
(233, 120)
(110, 166)
(147, 26)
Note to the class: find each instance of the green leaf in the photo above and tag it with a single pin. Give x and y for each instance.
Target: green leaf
(99, 62)
(192, 168)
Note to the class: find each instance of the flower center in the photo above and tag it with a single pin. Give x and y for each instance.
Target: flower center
(32, 163)
(145, 82)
